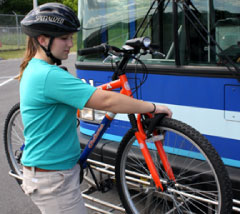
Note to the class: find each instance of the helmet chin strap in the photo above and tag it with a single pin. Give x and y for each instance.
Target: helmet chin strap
(48, 52)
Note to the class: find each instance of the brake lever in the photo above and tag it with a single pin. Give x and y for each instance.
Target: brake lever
(111, 57)
(159, 54)
(153, 122)
(155, 52)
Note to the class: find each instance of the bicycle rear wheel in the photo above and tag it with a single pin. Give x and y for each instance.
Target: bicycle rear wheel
(14, 140)
(202, 184)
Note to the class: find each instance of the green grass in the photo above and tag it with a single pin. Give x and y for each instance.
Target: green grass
(13, 52)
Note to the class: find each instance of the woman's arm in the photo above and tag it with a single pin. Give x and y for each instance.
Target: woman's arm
(119, 103)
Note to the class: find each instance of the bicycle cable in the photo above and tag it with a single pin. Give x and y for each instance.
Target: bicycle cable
(144, 77)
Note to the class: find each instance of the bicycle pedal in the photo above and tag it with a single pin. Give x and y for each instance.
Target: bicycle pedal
(90, 190)
(106, 185)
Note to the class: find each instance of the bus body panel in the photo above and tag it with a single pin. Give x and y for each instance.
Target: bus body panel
(205, 103)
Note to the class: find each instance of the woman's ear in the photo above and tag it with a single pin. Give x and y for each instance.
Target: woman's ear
(43, 40)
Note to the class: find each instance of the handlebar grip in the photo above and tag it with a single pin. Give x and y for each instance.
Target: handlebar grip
(93, 50)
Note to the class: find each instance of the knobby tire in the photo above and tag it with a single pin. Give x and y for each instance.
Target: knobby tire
(202, 182)
(13, 140)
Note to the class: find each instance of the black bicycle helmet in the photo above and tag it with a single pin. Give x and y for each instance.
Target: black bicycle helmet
(50, 19)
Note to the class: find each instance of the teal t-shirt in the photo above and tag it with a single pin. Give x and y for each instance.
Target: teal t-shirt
(49, 99)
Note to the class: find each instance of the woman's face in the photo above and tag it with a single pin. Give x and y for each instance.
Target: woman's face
(61, 46)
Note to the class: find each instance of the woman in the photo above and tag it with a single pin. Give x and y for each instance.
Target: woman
(49, 98)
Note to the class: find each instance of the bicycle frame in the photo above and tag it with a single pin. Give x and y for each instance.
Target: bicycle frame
(122, 83)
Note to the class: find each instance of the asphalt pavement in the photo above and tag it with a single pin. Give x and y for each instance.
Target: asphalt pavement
(12, 199)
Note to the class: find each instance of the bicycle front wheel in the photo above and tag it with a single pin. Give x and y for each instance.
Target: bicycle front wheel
(14, 140)
(201, 181)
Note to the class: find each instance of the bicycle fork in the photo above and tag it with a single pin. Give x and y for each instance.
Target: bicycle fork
(141, 138)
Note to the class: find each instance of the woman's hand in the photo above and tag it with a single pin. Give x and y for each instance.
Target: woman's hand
(163, 109)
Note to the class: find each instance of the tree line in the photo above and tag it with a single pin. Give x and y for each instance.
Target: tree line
(22, 7)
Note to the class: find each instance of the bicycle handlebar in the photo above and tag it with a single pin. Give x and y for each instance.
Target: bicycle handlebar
(131, 45)
(103, 48)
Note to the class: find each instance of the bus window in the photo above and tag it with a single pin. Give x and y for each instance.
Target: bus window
(114, 22)
(221, 19)
(227, 29)
(193, 48)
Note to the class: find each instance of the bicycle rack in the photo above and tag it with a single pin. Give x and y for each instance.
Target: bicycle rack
(102, 169)
(107, 169)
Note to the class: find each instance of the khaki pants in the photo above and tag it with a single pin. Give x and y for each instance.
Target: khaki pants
(56, 192)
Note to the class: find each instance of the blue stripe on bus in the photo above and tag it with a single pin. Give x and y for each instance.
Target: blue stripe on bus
(226, 152)
(193, 91)
(106, 136)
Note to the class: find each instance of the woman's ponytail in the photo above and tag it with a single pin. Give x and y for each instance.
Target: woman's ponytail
(29, 54)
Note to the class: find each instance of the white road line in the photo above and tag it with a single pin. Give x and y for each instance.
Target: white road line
(7, 81)
(5, 77)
